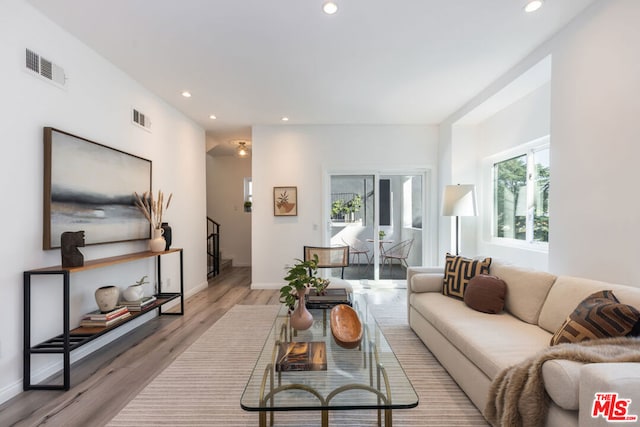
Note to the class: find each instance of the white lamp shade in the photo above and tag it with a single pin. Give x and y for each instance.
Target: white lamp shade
(459, 200)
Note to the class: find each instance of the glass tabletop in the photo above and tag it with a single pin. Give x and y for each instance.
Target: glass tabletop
(366, 377)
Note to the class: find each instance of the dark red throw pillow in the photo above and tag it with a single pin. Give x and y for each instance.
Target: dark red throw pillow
(486, 293)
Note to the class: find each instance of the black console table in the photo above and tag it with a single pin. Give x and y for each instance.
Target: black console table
(72, 339)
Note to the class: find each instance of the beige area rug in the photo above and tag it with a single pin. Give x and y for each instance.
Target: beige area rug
(202, 387)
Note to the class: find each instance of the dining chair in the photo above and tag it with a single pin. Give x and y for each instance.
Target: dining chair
(399, 251)
(329, 257)
(356, 248)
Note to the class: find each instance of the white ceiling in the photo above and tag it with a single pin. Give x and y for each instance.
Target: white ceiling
(250, 62)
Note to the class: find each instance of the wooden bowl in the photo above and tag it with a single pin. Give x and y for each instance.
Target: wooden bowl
(346, 326)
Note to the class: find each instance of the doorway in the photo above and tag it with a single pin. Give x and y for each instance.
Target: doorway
(380, 216)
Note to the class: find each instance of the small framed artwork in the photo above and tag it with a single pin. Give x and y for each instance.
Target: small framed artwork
(285, 201)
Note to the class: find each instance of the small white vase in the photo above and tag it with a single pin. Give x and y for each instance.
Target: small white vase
(157, 244)
(133, 293)
(107, 298)
(301, 318)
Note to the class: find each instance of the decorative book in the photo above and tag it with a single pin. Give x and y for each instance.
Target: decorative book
(328, 298)
(88, 323)
(99, 315)
(302, 356)
(138, 305)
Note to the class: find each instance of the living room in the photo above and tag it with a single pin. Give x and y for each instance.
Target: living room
(586, 106)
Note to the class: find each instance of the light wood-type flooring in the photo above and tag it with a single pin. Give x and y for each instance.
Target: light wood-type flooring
(105, 381)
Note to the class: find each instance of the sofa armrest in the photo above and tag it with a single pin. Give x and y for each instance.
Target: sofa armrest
(423, 279)
(620, 378)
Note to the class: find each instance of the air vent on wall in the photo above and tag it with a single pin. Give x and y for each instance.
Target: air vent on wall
(141, 119)
(45, 68)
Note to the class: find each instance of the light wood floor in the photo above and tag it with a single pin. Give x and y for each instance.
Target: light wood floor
(104, 382)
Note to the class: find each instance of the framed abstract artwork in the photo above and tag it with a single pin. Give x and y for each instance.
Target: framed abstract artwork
(285, 201)
(89, 187)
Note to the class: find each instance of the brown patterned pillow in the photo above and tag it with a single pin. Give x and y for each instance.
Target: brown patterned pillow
(600, 315)
(458, 271)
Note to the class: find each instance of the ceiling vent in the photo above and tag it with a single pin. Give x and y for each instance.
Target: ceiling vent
(140, 119)
(45, 68)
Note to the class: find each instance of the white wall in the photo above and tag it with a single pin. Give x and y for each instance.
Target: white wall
(95, 105)
(523, 121)
(595, 105)
(225, 200)
(595, 79)
(299, 156)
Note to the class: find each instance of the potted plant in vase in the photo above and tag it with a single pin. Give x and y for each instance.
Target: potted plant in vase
(153, 211)
(135, 292)
(300, 278)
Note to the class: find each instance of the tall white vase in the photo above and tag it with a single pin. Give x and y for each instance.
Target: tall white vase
(157, 244)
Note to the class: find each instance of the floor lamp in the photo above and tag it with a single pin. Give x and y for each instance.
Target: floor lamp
(459, 200)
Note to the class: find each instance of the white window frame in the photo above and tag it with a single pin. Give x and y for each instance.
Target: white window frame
(248, 189)
(524, 149)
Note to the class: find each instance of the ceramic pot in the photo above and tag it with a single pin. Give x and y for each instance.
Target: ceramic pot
(133, 293)
(167, 234)
(107, 298)
(157, 244)
(301, 318)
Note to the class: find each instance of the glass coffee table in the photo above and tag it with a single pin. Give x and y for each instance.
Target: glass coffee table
(366, 377)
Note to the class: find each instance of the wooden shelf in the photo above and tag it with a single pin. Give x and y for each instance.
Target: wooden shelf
(82, 335)
(104, 262)
(71, 339)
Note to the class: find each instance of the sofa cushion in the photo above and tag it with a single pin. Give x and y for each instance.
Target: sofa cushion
(492, 342)
(485, 293)
(567, 293)
(526, 290)
(458, 271)
(600, 315)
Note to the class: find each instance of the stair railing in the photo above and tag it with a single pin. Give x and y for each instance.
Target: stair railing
(213, 248)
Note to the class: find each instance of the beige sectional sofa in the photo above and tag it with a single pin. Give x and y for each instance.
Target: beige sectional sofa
(474, 346)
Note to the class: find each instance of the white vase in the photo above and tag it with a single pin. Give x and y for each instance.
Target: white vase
(107, 298)
(157, 244)
(133, 293)
(301, 318)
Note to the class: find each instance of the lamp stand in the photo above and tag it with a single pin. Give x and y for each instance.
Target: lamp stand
(457, 235)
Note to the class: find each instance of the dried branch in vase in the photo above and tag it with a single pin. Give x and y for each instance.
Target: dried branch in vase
(153, 209)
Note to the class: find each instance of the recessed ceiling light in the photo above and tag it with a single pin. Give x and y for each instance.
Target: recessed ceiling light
(532, 5)
(213, 117)
(329, 7)
(285, 119)
(186, 94)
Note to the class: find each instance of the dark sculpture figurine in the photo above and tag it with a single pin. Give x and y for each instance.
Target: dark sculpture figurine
(69, 242)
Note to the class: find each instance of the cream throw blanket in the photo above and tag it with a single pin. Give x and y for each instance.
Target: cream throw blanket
(517, 396)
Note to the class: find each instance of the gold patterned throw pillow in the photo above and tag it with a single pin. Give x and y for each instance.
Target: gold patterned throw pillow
(600, 315)
(458, 271)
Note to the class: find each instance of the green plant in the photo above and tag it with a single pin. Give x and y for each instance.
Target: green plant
(142, 281)
(354, 204)
(337, 208)
(381, 234)
(303, 274)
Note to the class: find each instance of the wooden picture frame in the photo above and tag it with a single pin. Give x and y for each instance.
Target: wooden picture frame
(285, 201)
(89, 187)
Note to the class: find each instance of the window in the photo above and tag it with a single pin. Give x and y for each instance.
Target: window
(412, 202)
(248, 190)
(521, 196)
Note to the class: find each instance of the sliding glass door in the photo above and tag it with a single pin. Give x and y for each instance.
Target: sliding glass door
(380, 217)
